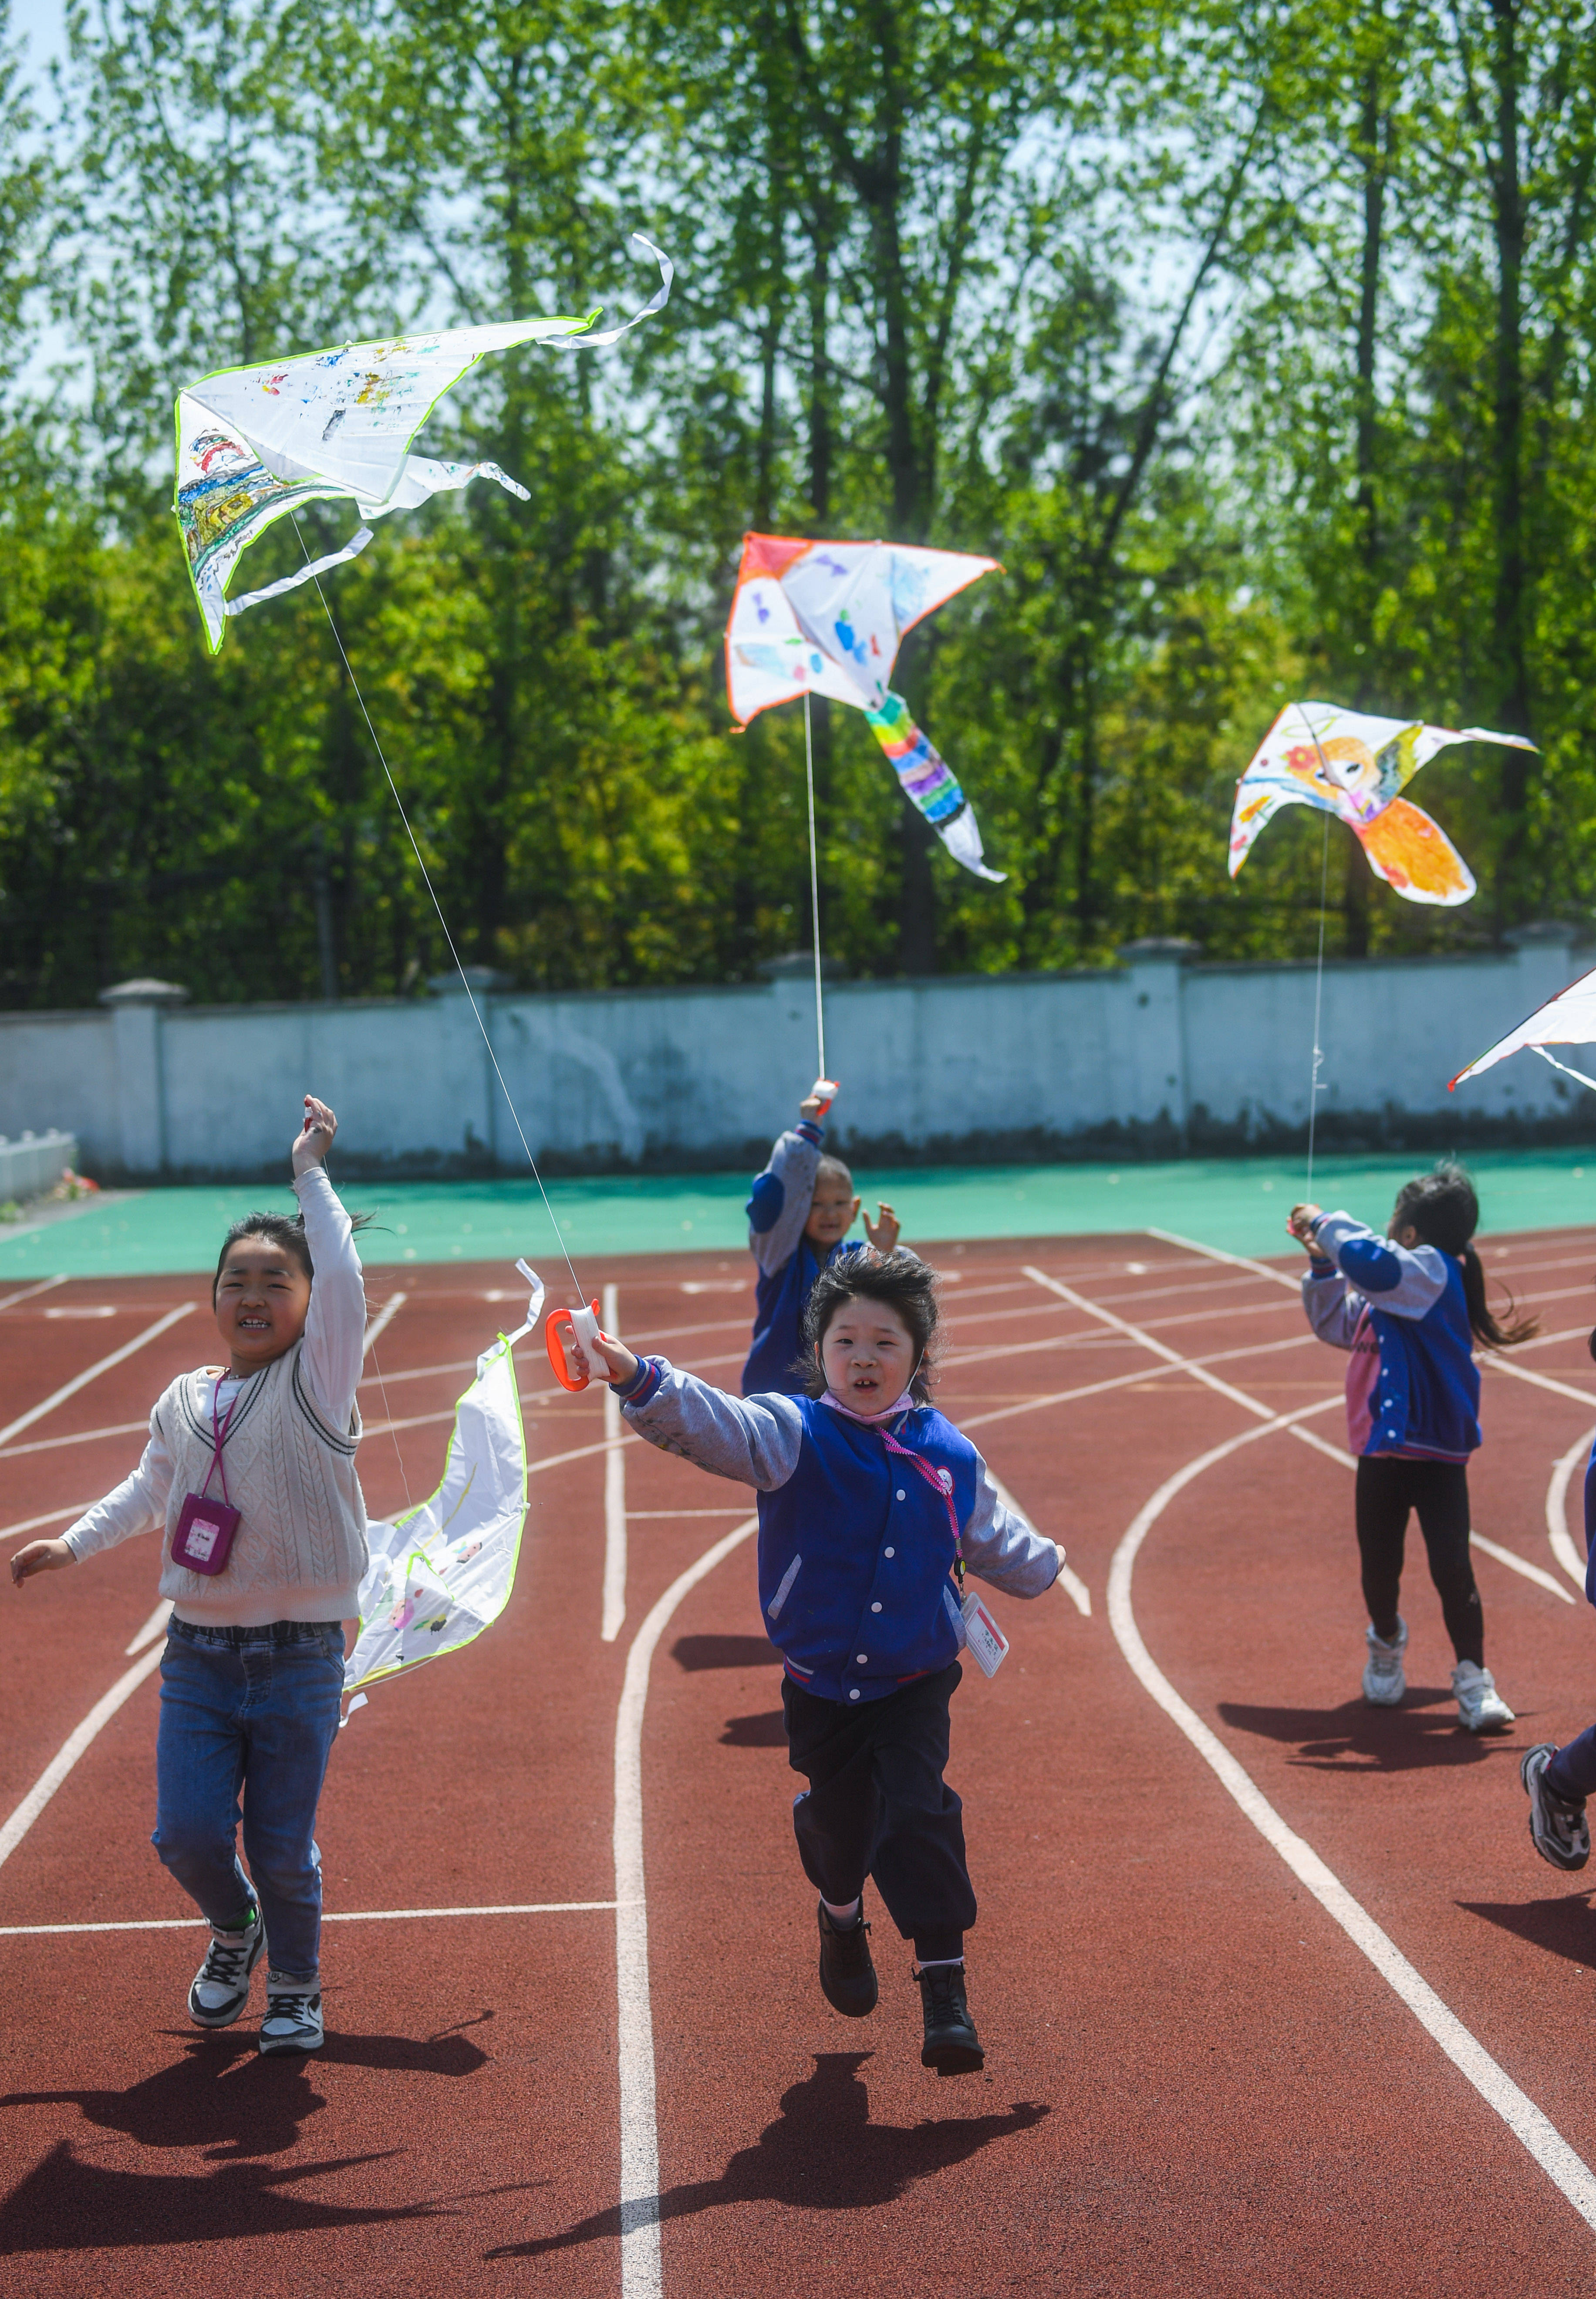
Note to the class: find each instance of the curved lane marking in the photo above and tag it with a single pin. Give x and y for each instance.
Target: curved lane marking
(614, 1611)
(103, 1364)
(38, 1795)
(640, 2272)
(1556, 1508)
(1535, 2131)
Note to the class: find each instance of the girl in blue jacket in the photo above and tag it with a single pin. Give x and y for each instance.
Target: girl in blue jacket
(871, 1504)
(1409, 1308)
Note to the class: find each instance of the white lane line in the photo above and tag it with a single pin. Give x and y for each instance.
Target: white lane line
(79, 1437)
(1492, 1363)
(1234, 1260)
(381, 1322)
(38, 1795)
(50, 1516)
(1556, 1507)
(1073, 1586)
(328, 1916)
(640, 2272)
(1521, 1564)
(81, 1381)
(1147, 1341)
(29, 1292)
(1142, 1375)
(614, 1610)
(153, 1627)
(1534, 2130)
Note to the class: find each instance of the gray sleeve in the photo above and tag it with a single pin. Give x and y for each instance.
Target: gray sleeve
(753, 1441)
(1004, 1547)
(1389, 1278)
(1333, 1307)
(793, 1163)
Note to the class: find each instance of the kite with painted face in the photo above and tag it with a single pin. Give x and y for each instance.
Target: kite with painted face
(828, 618)
(1348, 763)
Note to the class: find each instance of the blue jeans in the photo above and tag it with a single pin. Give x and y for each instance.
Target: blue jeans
(253, 1711)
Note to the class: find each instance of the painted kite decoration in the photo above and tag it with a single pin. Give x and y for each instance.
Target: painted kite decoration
(442, 1572)
(1354, 766)
(255, 443)
(828, 618)
(1568, 1019)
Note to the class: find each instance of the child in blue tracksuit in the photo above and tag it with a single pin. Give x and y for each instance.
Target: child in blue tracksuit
(1559, 1779)
(870, 1506)
(1409, 1309)
(800, 1211)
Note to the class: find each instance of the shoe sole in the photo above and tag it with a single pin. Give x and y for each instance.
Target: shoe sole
(953, 2059)
(1488, 1724)
(1385, 1699)
(269, 2043)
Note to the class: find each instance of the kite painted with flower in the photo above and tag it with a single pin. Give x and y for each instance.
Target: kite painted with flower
(441, 1573)
(256, 443)
(828, 618)
(1350, 764)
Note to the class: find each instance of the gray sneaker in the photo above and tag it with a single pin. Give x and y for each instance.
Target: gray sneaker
(221, 1989)
(293, 2021)
(1558, 1829)
(1384, 1682)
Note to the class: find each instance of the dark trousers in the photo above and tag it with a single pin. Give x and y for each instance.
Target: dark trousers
(1572, 1771)
(877, 1805)
(1387, 1491)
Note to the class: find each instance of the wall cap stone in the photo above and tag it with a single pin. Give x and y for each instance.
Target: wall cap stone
(143, 990)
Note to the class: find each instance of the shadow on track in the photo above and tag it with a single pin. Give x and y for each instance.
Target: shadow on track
(224, 2096)
(822, 2154)
(768, 1731)
(1358, 1738)
(1565, 1926)
(695, 1653)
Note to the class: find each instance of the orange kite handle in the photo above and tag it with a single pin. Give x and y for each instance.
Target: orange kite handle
(555, 1343)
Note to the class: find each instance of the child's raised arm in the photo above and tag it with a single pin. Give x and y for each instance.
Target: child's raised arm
(335, 1327)
(779, 1201)
(1401, 1282)
(753, 1441)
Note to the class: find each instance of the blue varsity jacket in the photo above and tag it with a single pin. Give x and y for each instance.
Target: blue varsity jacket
(856, 1547)
(1424, 1396)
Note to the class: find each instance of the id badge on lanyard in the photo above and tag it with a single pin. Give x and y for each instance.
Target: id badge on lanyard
(984, 1640)
(203, 1538)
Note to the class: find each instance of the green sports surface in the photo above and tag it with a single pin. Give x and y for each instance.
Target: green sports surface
(1237, 1204)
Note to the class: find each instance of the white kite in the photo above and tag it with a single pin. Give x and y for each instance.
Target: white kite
(255, 443)
(1568, 1019)
(828, 618)
(442, 1572)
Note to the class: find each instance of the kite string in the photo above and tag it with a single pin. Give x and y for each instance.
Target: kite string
(1315, 1088)
(443, 921)
(814, 885)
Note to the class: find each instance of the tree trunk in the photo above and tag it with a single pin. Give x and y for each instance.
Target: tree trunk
(1510, 704)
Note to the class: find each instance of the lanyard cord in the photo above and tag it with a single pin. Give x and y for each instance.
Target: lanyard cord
(934, 1478)
(443, 921)
(218, 1433)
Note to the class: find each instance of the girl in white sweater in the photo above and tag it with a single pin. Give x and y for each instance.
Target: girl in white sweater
(250, 1472)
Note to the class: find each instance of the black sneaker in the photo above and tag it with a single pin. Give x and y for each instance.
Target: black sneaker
(1558, 1829)
(221, 1989)
(847, 1975)
(951, 2045)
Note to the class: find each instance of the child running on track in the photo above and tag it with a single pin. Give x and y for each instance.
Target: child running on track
(253, 1672)
(1409, 1310)
(800, 1210)
(868, 1500)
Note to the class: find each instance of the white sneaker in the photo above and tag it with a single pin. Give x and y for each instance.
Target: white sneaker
(1384, 1682)
(293, 2021)
(221, 1989)
(1481, 1708)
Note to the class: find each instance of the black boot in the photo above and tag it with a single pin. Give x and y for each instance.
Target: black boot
(951, 2045)
(847, 1975)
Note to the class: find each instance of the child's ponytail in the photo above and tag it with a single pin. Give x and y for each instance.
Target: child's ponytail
(1442, 1206)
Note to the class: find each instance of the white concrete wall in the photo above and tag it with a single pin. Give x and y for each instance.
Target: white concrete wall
(1155, 1053)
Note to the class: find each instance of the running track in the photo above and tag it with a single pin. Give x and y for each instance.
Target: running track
(1276, 1994)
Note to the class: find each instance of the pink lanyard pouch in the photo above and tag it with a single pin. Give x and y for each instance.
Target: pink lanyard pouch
(203, 1538)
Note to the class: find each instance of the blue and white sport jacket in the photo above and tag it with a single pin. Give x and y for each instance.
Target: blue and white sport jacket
(787, 1263)
(856, 1546)
(1413, 1387)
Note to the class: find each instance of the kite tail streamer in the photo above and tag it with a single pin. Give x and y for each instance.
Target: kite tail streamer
(930, 783)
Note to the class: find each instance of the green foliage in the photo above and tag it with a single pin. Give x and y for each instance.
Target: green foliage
(1258, 346)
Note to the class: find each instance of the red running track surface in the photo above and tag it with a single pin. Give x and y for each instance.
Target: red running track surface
(1196, 2082)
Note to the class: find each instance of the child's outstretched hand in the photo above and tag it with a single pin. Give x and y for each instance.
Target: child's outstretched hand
(1300, 1222)
(619, 1362)
(315, 1136)
(38, 1557)
(883, 1231)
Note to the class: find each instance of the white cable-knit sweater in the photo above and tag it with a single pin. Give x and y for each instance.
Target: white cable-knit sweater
(300, 1549)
